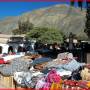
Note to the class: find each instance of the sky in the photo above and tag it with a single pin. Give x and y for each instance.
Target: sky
(17, 8)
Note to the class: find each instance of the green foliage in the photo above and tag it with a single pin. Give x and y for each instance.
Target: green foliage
(23, 28)
(46, 35)
(16, 32)
(82, 36)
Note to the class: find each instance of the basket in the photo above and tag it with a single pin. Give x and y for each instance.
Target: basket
(7, 81)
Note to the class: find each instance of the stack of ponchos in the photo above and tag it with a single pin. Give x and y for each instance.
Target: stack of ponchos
(62, 67)
(51, 81)
(37, 79)
(16, 65)
(65, 65)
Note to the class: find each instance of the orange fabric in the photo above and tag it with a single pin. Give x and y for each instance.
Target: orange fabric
(56, 86)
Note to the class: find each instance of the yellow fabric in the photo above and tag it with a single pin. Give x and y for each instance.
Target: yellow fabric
(88, 84)
(56, 86)
(85, 74)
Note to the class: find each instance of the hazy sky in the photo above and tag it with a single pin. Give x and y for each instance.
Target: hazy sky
(17, 8)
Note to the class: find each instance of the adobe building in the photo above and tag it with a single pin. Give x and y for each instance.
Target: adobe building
(11, 43)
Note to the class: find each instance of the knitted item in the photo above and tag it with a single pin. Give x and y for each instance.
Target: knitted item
(46, 86)
(56, 86)
(85, 74)
(53, 77)
(40, 84)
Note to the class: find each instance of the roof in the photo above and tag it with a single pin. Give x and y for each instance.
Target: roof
(4, 37)
(8, 36)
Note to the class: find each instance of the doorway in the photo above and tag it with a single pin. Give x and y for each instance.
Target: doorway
(0, 49)
(20, 49)
(10, 49)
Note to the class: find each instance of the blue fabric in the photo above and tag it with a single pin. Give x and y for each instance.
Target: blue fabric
(41, 60)
(72, 66)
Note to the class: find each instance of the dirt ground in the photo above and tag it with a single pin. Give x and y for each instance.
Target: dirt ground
(88, 58)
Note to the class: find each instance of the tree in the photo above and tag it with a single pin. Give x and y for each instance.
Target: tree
(46, 35)
(82, 36)
(16, 31)
(87, 24)
(23, 27)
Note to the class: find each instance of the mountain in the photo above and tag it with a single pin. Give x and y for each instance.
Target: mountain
(63, 17)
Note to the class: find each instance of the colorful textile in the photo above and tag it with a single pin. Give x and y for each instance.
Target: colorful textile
(46, 86)
(55, 86)
(41, 60)
(85, 74)
(73, 65)
(63, 72)
(53, 77)
(40, 84)
(2, 61)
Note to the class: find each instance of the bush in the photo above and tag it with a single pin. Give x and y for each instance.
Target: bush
(46, 35)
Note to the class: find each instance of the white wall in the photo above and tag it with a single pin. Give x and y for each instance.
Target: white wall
(4, 48)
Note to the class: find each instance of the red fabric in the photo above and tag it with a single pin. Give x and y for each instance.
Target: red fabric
(3, 62)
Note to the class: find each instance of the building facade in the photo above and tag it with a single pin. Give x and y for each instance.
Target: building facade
(9, 43)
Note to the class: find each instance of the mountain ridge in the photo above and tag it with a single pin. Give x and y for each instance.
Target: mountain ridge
(63, 17)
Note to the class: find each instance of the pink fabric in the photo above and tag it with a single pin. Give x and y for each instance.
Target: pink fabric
(40, 84)
(46, 86)
(45, 83)
(53, 77)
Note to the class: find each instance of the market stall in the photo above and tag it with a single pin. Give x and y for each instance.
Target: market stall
(43, 73)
